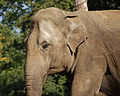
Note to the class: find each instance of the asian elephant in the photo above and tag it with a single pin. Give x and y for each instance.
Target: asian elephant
(87, 44)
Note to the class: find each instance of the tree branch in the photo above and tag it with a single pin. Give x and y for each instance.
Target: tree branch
(81, 5)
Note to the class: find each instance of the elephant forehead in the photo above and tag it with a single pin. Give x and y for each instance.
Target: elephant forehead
(49, 31)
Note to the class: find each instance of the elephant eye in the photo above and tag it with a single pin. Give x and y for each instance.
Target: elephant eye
(45, 45)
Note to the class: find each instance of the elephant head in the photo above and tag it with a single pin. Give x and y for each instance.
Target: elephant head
(51, 46)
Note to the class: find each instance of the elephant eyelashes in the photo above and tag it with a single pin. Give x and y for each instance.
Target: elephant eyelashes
(46, 45)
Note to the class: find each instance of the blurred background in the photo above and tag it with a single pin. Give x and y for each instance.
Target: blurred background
(15, 17)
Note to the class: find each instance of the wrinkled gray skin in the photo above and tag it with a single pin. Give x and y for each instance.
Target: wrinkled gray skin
(84, 43)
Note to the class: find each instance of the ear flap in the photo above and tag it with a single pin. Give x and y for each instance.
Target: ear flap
(76, 36)
(77, 31)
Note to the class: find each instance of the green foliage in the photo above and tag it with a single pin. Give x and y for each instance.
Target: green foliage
(12, 69)
(1, 49)
(16, 16)
(57, 85)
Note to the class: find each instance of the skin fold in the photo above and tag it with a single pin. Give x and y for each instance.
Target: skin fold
(87, 44)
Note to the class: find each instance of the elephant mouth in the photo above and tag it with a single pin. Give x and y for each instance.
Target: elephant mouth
(53, 70)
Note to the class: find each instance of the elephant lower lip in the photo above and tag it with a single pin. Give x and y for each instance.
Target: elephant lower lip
(54, 70)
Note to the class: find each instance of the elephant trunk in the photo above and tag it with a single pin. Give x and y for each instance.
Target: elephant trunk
(36, 73)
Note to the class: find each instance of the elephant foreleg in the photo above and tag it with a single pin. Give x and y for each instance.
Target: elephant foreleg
(88, 77)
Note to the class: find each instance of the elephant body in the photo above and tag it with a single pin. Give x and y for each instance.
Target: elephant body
(87, 44)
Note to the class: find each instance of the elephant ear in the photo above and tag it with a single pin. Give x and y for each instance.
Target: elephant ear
(77, 33)
(76, 36)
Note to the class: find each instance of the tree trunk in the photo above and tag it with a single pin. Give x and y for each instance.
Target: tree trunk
(81, 5)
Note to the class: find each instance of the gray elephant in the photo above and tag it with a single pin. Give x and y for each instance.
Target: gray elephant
(87, 44)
